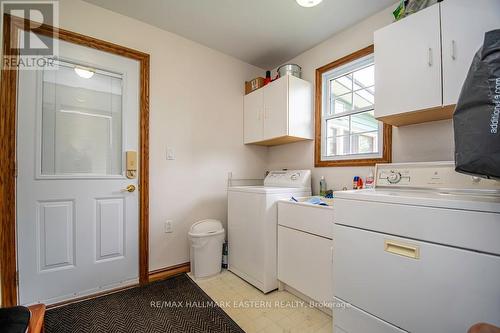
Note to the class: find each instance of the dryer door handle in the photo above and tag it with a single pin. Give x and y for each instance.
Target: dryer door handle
(405, 250)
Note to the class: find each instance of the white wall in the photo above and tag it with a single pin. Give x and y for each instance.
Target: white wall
(424, 142)
(196, 102)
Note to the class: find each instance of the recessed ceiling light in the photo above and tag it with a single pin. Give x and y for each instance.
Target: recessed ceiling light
(308, 3)
(83, 72)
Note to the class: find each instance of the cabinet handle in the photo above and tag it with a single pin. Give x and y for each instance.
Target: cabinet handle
(405, 250)
(453, 48)
(430, 57)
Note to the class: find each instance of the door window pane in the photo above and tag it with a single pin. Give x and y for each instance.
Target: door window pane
(81, 121)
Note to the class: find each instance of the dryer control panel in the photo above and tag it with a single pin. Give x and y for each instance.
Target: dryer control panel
(429, 175)
(289, 178)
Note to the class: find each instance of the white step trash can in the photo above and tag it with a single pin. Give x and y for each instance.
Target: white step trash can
(207, 237)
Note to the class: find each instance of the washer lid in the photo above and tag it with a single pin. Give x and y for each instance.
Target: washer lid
(270, 189)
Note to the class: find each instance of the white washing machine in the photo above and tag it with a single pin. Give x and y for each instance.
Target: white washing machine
(252, 225)
(419, 253)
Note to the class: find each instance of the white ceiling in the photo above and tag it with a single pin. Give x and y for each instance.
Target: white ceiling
(265, 33)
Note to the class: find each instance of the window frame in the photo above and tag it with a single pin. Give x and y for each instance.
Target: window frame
(384, 155)
(327, 77)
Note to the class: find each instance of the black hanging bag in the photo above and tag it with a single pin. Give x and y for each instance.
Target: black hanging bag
(476, 117)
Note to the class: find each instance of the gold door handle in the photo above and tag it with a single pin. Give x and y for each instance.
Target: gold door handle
(130, 188)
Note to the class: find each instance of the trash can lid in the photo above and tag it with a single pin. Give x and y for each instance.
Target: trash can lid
(204, 227)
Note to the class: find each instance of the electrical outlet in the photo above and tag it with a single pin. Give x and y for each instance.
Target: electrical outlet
(168, 226)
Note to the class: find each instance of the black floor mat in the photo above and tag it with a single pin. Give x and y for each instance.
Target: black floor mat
(173, 305)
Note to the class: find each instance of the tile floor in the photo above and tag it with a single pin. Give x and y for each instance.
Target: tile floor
(276, 312)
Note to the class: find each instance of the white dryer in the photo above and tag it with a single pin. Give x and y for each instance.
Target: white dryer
(419, 253)
(252, 225)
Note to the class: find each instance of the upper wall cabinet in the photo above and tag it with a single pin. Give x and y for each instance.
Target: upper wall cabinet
(278, 113)
(463, 25)
(408, 65)
(421, 61)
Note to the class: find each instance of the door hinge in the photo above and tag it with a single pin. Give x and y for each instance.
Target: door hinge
(17, 278)
(16, 168)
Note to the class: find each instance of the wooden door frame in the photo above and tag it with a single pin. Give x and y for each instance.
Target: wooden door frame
(8, 90)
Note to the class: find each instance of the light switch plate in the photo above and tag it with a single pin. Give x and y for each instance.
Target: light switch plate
(168, 226)
(170, 154)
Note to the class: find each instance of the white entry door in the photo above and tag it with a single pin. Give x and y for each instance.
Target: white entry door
(77, 229)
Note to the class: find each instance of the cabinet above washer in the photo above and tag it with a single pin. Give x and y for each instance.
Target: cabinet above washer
(278, 113)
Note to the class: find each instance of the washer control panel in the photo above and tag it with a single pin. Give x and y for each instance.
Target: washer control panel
(436, 175)
(395, 176)
(288, 178)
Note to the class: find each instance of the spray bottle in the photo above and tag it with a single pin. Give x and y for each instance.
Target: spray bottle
(322, 186)
(369, 182)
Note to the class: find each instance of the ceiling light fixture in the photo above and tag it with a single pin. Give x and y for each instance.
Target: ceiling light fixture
(83, 72)
(308, 3)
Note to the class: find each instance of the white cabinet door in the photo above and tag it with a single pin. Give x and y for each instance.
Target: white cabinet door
(305, 263)
(408, 64)
(252, 116)
(463, 24)
(276, 108)
(300, 114)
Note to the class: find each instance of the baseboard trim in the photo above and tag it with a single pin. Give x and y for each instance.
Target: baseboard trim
(167, 272)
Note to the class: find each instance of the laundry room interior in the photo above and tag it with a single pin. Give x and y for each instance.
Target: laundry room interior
(250, 166)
